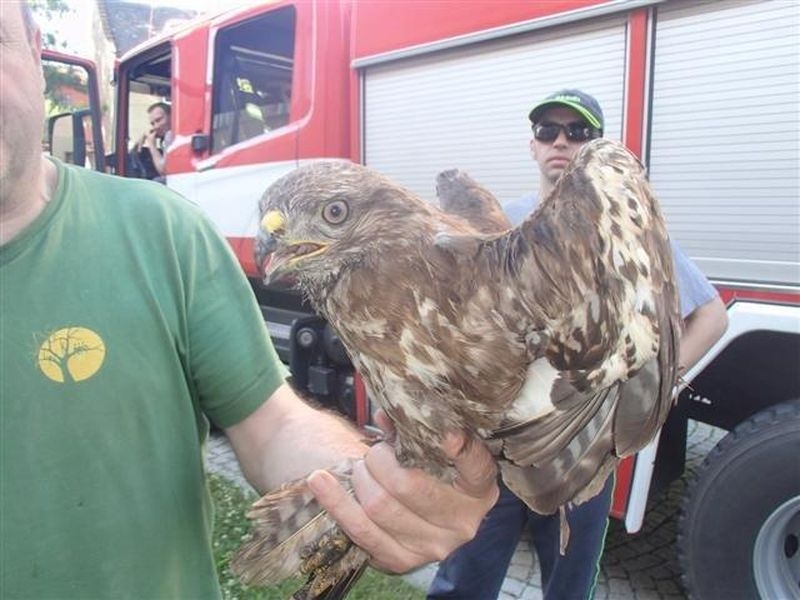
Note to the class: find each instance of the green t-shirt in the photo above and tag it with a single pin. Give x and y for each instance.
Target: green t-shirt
(125, 320)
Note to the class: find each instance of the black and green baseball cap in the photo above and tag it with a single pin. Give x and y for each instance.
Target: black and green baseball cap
(581, 102)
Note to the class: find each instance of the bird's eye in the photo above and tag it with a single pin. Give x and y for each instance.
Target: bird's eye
(335, 212)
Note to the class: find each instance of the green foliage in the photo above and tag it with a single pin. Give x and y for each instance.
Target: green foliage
(45, 12)
(66, 88)
(49, 6)
(231, 526)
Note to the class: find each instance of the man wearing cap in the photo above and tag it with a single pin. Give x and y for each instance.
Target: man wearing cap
(562, 123)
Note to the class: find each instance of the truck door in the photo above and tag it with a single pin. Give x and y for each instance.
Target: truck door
(73, 129)
(250, 122)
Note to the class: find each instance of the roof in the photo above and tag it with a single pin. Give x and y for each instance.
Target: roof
(130, 23)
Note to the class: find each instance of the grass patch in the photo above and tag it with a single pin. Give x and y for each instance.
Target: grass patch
(231, 526)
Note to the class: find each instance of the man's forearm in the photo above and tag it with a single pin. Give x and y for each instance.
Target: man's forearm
(285, 439)
(402, 518)
(158, 159)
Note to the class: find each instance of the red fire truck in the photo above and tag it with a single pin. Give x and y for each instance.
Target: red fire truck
(706, 93)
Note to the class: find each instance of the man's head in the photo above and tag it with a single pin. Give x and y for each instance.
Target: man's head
(21, 97)
(561, 124)
(159, 115)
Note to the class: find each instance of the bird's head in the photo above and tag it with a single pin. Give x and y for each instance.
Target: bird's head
(331, 215)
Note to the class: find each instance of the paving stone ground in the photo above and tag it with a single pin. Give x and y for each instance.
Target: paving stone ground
(643, 566)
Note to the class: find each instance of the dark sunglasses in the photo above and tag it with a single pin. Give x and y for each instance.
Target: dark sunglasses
(575, 132)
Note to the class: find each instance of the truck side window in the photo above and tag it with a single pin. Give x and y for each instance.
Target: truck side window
(253, 66)
(68, 126)
(149, 83)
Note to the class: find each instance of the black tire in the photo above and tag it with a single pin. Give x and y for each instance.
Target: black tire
(749, 482)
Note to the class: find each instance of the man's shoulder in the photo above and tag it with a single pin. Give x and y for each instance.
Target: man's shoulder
(516, 210)
(123, 194)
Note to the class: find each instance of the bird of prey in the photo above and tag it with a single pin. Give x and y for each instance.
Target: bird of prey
(554, 342)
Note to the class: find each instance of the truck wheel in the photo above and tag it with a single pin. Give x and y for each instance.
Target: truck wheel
(739, 530)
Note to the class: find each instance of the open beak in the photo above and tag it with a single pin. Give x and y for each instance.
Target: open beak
(264, 247)
(277, 258)
(272, 225)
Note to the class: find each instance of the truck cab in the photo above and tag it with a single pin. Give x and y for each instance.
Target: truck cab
(243, 88)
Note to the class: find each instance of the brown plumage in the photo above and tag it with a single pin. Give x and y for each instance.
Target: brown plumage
(459, 194)
(555, 341)
(299, 538)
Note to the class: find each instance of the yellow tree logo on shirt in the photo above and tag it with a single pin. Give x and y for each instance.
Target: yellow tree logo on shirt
(71, 354)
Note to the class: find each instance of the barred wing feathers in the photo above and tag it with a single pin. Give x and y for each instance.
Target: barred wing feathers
(591, 269)
(289, 519)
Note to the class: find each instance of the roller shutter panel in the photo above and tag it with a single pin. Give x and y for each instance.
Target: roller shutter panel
(724, 147)
(468, 107)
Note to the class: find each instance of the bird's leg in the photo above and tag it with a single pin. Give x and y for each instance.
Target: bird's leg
(430, 459)
(327, 549)
(333, 565)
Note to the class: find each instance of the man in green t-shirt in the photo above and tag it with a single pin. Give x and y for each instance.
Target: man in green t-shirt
(127, 324)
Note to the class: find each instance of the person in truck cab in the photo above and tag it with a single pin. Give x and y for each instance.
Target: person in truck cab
(562, 123)
(151, 147)
(126, 325)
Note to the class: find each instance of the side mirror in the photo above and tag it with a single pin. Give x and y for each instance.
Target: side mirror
(199, 143)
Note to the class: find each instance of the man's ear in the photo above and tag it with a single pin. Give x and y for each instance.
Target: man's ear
(532, 147)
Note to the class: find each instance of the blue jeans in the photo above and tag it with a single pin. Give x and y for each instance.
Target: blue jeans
(476, 570)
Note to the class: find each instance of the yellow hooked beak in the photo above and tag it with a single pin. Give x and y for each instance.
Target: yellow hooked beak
(273, 221)
(275, 260)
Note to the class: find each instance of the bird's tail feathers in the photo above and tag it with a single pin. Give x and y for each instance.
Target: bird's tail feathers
(291, 534)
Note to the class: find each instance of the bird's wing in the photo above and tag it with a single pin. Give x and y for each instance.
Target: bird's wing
(460, 195)
(591, 271)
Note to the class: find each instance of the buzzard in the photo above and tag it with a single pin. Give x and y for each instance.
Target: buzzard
(553, 342)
